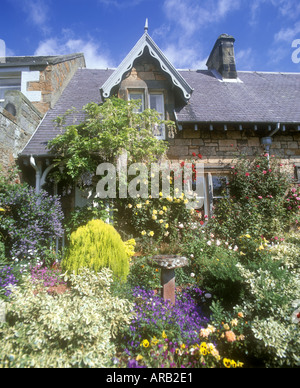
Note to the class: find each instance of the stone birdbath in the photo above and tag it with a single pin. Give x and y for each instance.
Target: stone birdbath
(168, 263)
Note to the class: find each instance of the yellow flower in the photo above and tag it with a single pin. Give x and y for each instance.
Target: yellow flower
(145, 343)
(167, 226)
(165, 208)
(226, 326)
(164, 335)
(203, 349)
(161, 213)
(2, 210)
(147, 202)
(144, 233)
(139, 357)
(227, 362)
(161, 221)
(154, 341)
(186, 201)
(154, 217)
(160, 194)
(234, 322)
(154, 211)
(182, 346)
(233, 364)
(151, 234)
(139, 205)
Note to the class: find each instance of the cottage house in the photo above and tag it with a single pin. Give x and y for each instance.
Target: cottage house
(217, 111)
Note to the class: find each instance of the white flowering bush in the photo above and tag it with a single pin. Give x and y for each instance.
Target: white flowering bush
(75, 329)
(270, 292)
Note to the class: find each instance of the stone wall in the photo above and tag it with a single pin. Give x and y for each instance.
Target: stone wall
(220, 148)
(17, 124)
(52, 81)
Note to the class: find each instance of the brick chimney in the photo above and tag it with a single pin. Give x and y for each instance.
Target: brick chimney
(222, 57)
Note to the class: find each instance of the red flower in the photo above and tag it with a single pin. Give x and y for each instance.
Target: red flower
(194, 154)
(199, 156)
(247, 174)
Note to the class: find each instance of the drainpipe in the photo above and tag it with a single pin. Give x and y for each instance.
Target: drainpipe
(37, 174)
(267, 141)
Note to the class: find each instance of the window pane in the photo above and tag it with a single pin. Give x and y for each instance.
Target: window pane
(157, 103)
(219, 184)
(138, 96)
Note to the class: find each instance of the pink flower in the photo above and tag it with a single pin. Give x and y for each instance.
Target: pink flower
(247, 174)
(293, 190)
(260, 197)
(264, 172)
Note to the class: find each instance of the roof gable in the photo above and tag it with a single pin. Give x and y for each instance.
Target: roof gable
(137, 51)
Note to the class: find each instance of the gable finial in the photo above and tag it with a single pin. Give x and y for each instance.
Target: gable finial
(146, 26)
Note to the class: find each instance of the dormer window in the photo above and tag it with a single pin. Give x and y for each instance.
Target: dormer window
(152, 101)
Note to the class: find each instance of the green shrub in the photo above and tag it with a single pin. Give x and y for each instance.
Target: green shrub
(72, 330)
(270, 292)
(257, 201)
(97, 245)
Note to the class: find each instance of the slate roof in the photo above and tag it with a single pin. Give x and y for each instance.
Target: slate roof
(259, 98)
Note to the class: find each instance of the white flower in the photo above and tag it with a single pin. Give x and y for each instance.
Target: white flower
(192, 275)
(207, 296)
(180, 226)
(209, 242)
(218, 242)
(191, 256)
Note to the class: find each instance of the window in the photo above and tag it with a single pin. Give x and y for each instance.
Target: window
(153, 101)
(156, 101)
(138, 96)
(214, 186)
(9, 81)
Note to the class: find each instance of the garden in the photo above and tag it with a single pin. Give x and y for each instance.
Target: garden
(97, 303)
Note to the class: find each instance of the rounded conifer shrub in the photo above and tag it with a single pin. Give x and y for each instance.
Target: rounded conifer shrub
(97, 245)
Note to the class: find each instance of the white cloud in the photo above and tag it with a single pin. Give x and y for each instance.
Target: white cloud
(186, 19)
(192, 15)
(37, 12)
(184, 57)
(288, 34)
(245, 59)
(95, 57)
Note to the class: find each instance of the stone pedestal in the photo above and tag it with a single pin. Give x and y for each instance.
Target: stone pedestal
(168, 263)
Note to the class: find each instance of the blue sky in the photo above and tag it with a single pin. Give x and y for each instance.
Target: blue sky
(186, 30)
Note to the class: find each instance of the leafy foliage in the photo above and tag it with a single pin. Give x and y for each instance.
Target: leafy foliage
(97, 245)
(72, 330)
(107, 131)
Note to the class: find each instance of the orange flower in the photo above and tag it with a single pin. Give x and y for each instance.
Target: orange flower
(230, 336)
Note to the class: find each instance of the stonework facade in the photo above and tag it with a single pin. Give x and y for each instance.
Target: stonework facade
(16, 128)
(52, 81)
(42, 81)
